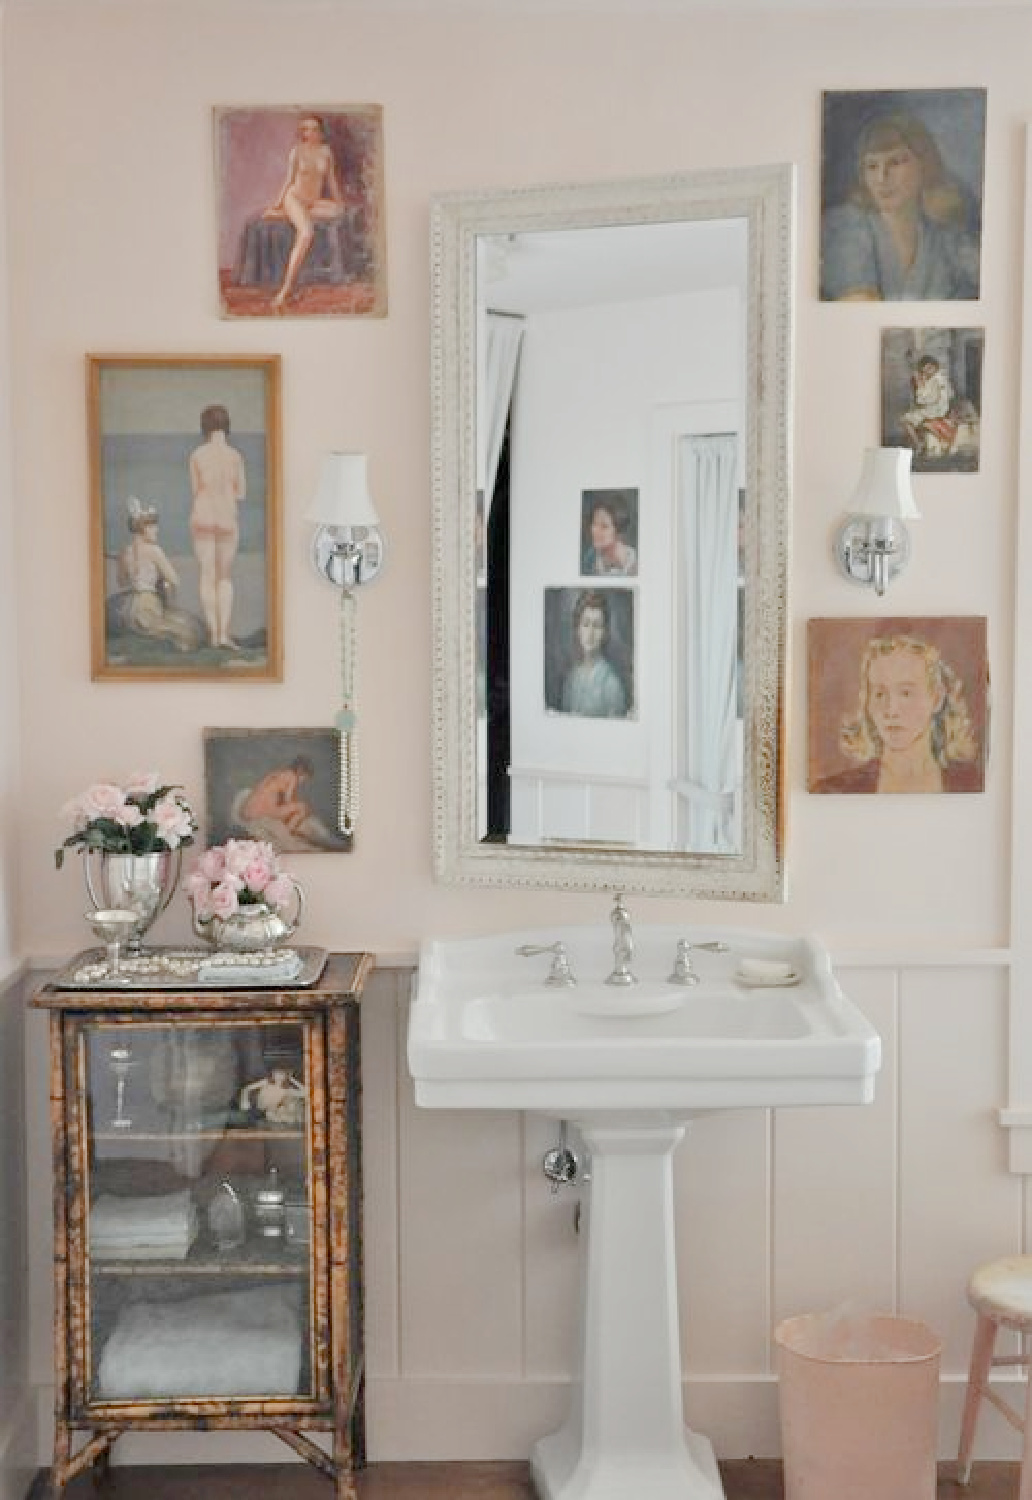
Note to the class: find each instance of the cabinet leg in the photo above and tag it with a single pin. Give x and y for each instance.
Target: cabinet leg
(62, 1457)
(344, 1485)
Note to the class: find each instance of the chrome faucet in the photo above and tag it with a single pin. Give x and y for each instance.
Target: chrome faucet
(623, 944)
(560, 975)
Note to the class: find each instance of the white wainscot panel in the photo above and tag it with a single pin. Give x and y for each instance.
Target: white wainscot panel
(834, 1198)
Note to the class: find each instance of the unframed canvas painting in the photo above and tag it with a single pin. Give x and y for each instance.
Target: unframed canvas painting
(280, 785)
(932, 396)
(897, 705)
(901, 194)
(301, 212)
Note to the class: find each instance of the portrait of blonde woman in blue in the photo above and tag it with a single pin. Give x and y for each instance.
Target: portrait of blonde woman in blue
(903, 227)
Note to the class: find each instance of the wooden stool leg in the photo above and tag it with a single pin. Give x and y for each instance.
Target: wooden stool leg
(978, 1374)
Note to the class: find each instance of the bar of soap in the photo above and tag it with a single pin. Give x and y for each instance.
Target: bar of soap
(769, 969)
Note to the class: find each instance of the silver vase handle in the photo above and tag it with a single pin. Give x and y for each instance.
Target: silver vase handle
(295, 922)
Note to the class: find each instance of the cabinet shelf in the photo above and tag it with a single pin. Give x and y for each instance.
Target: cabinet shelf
(232, 1132)
(294, 1267)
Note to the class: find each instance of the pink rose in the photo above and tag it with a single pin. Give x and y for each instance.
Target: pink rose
(257, 874)
(74, 813)
(104, 800)
(142, 784)
(172, 820)
(212, 864)
(238, 855)
(279, 891)
(224, 900)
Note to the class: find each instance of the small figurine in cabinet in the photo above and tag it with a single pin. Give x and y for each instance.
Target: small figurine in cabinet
(279, 1096)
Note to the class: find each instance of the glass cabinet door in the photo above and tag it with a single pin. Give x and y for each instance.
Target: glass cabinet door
(197, 1141)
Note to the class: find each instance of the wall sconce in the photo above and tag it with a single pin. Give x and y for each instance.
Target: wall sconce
(348, 546)
(348, 549)
(873, 544)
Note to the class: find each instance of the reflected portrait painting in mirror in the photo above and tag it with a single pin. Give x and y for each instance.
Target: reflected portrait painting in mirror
(589, 652)
(609, 533)
(898, 705)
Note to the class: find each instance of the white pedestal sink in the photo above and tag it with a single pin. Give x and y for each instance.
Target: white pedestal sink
(631, 1067)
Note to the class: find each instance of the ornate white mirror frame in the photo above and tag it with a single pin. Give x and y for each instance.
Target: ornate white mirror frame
(754, 870)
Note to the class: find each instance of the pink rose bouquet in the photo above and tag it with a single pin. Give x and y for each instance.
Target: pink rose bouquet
(240, 872)
(146, 816)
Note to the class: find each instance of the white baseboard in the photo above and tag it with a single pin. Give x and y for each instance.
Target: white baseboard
(18, 1457)
(486, 1418)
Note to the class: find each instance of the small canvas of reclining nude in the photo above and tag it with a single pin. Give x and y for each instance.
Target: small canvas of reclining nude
(280, 786)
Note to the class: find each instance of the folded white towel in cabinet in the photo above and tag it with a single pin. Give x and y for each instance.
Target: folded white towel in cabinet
(243, 1343)
(143, 1228)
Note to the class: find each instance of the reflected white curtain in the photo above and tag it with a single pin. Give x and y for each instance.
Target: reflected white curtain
(709, 740)
(502, 337)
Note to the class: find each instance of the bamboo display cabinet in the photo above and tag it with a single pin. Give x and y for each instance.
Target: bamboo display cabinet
(207, 1215)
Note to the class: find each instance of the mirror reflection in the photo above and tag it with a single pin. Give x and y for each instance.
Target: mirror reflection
(610, 419)
(610, 378)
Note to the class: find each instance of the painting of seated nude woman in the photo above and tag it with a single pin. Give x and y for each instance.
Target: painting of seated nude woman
(301, 212)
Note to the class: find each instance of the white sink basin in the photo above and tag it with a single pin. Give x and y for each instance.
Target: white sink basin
(486, 1031)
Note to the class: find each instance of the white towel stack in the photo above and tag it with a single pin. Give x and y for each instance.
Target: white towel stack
(243, 1343)
(152, 1228)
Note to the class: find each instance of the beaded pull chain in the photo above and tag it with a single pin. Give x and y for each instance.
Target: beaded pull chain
(346, 720)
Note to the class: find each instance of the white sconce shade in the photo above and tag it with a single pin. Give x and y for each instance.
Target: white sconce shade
(873, 544)
(348, 546)
(343, 498)
(884, 488)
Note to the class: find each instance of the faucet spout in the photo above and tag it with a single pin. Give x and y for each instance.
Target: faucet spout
(623, 944)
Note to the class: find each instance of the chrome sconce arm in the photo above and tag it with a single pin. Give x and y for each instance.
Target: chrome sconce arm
(348, 545)
(872, 545)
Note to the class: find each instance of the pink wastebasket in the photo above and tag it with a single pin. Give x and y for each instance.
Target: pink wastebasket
(859, 1407)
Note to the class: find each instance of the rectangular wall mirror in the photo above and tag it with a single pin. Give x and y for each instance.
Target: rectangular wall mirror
(610, 426)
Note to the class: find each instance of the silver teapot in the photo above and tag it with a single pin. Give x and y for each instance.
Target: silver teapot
(252, 927)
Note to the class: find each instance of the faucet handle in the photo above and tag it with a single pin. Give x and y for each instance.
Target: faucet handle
(683, 973)
(560, 975)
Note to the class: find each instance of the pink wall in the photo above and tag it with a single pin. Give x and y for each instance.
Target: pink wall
(112, 213)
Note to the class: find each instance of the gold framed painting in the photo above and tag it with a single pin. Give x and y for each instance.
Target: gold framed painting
(185, 522)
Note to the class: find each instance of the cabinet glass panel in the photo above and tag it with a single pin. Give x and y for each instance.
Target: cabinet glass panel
(198, 1156)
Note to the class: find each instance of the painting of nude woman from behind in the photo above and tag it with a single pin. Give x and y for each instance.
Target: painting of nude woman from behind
(278, 785)
(301, 212)
(184, 517)
(898, 705)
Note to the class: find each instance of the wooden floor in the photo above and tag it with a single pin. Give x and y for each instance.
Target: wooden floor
(746, 1479)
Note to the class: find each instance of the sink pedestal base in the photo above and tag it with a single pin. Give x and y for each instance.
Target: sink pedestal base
(625, 1435)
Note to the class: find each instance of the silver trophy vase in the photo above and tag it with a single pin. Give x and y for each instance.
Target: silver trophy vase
(141, 883)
